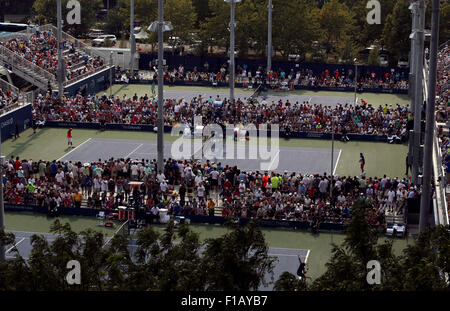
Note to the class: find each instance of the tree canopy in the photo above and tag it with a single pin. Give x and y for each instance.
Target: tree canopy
(336, 28)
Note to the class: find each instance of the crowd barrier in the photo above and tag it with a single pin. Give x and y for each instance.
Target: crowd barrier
(240, 85)
(168, 129)
(89, 212)
(92, 84)
(215, 63)
(21, 115)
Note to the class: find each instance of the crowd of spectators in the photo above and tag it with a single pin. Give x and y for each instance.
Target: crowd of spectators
(6, 99)
(192, 188)
(300, 117)
(41, 49)
(443, 109)
(338, 79)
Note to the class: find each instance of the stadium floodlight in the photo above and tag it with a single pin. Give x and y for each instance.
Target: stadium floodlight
(232, 27)
(356, 76)
(167, 26)
(110, 73)
(155, 27)
(269, 37)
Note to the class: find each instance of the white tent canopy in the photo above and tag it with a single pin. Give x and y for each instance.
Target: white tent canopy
(142, 35)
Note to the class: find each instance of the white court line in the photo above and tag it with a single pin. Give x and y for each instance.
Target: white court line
(73, 149)
(151, 153)
(116, 142)
(337, 161)
(280, 255)
(309, 100)
(128, 155)
(292, 249)
(38, 233)
(15, 245)
(307, 254)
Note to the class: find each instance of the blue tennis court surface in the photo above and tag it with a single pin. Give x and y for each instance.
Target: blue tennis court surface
(264, 97)
(305, 160)
(287, 258)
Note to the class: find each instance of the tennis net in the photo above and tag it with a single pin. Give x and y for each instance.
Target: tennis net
(122, 231)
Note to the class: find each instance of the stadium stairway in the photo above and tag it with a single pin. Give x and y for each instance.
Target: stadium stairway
(26, 70)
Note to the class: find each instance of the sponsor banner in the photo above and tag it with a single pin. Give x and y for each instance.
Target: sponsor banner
(168, 129)
(22, 116)
(91, 84)
(192, 218)
(240, 85)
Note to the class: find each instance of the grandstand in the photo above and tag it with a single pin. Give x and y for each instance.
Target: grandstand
(20, 54)
(441, 146)
(102, 153)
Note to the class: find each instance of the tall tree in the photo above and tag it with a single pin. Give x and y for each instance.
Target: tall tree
(181, 13)
(346, 269)
(237, 261)
(444, 23)
(294, 26)
(374, 57)
(335, 23)
(46, 13)
(397, 29)
(427, 263)
(214, 31)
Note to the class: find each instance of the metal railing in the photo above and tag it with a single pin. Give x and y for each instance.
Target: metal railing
(11, 58)
(5, 86)
(77, 43)
(441, 215)
(84, 75)
(86, 49)
(447, 43)
(439, 201)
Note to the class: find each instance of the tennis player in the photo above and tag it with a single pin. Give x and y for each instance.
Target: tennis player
(69, 138)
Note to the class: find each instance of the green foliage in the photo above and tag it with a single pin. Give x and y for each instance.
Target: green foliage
(397, 29)
(427, 261)
(294, 26)
(335, 24)
(237, 261)
(158, 263)
(45, 12)
(374, 57)
(444, 23)
(113, 24)
(289, 282)
(340, 26)
(181, 13)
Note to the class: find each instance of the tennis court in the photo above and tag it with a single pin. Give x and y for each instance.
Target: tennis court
(188, 94)
(328, 98)
(305, 160)
(286, 258)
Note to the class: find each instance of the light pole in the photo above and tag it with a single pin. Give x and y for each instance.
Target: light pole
(2, 209)
(332, 156)
(430, 120)
(412, 57)
(110, 73)
(356, 77)
(269, 38)
(60, 59)
(132, 40)
(160, 26)
(418, 90)
(232, 26)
